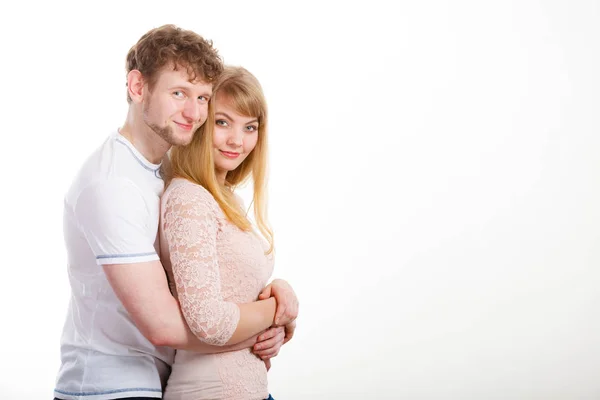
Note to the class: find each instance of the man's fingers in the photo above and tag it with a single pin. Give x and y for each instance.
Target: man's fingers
(288, 336)
(268, 353)
(287, 302)
(267, 344)
(276, 340)
(279, 313)
(293, 308)
(266, 293)
(265, 355)
(289, 332)
(268, 334)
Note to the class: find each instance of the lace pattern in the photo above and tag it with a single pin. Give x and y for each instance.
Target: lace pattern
(215, 266)
(191, 228)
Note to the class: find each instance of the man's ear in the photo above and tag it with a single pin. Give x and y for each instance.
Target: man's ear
(135, 85)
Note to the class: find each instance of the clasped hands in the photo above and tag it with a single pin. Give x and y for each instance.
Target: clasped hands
(269, 342)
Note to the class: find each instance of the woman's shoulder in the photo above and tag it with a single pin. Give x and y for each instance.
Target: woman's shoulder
(181, 190)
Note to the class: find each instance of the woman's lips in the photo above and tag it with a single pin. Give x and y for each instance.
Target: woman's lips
(230, 154)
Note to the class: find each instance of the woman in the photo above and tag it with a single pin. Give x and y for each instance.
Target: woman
(216, 261)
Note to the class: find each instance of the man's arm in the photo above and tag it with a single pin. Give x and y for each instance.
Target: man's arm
(113, 217)
(114, 220)
(143, 290)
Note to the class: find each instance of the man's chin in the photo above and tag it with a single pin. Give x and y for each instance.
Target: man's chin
(181, 140)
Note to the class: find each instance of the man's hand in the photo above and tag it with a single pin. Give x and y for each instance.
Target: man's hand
(268, 343)
(287, 302)
(289, 331)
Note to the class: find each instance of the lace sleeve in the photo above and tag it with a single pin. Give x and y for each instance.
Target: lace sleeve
(190, 228)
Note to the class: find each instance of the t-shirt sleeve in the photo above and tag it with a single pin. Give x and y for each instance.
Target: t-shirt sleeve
(116, 222)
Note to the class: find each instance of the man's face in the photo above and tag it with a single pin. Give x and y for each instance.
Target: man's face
(176, 107)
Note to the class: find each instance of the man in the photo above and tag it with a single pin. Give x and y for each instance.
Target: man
(122, 321)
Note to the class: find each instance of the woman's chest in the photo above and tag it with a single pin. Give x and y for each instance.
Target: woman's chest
(244, 267)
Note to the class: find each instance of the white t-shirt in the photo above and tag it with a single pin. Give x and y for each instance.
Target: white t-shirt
(111, 216)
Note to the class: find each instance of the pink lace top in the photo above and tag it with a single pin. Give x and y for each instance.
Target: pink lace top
(212, 265)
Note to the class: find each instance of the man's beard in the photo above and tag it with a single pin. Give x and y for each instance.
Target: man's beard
(165, 132)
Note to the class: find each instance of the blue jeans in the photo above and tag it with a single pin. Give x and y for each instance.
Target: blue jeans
(142, 398)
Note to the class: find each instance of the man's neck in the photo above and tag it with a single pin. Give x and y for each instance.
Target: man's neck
(143, 138)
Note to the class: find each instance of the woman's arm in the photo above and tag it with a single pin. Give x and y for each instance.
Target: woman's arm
(190, 226)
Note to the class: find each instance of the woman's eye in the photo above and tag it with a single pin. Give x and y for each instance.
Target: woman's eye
(252, 128)
(221, 122)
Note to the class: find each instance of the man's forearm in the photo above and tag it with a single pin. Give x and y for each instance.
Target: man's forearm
(144, 292)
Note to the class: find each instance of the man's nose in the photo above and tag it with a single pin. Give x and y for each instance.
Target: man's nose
(191, 110)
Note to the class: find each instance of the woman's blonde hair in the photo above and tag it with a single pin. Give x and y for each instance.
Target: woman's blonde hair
(195, 162)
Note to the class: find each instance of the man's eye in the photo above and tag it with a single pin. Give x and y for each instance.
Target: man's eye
(178, 93)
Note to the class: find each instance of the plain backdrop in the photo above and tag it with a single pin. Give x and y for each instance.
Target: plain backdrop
(434, 184)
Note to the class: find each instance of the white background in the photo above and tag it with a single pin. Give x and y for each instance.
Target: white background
(434, 185)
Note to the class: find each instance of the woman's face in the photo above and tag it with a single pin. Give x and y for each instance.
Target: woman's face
(235, 137)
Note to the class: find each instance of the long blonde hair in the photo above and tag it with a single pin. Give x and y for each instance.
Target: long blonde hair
(195, 162)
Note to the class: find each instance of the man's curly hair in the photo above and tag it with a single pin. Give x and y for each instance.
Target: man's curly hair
(170, 45)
